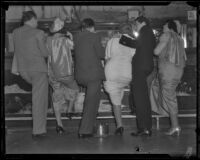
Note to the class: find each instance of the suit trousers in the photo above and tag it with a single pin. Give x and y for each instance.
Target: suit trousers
(90, 107)
(142, 100)
(39, 81)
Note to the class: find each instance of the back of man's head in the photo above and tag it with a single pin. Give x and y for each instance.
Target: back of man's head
(141, 19)
(28, 15)
(87, 23)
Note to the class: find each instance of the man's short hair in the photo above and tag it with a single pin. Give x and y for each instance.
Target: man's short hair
(141, 19)
(28, 15)
(87, 23)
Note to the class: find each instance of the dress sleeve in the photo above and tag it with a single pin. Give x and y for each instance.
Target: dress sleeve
(107, 55)
(108, 49)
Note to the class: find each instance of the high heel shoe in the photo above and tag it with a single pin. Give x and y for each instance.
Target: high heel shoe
(60, 130)
(119, 131)
(173, 131)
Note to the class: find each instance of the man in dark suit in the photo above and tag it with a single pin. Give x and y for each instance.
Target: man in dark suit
(30, 51)
(142, 66)
(89, 73)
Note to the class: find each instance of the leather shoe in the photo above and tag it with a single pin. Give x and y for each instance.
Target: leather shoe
(119, 131)
(59, 129)
(85, 135)
(144, 132)
(38, 136)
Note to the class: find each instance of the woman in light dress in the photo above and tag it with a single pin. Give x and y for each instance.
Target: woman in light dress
(118, 71)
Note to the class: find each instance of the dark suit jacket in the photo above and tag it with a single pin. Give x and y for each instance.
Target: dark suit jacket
(145, 44)
(88, 54)
(30, 49)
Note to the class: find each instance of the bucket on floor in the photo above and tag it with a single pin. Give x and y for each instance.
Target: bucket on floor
(101, 130)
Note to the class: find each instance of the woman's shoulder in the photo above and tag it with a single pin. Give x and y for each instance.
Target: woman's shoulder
(165, 36)
(113, 39)
(113, 42)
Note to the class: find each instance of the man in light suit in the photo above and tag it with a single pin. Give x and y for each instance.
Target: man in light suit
(30, 52)
(89, 73)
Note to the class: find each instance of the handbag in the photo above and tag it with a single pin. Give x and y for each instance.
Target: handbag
(127, 41)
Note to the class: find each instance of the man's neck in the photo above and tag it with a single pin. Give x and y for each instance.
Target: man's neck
(142, 27)
(28, 24)
(90, 30)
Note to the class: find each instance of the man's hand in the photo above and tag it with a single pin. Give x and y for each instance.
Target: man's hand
(70, 35)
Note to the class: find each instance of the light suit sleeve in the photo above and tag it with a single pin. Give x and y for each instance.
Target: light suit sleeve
(41, 43)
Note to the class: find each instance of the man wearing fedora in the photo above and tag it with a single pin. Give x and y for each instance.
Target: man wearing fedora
(89, 73)
(30, 51)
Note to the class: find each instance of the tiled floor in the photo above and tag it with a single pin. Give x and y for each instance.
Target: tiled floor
(19, 141)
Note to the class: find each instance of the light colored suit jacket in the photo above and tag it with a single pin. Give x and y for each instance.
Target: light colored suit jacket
(30, 49)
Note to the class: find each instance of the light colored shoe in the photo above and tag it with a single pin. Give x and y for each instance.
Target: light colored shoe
(173, 131)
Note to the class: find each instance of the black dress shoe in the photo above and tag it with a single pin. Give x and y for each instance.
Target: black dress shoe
(38, 136)
(85, 135)
(119, 131)
(142, 133)
(60, 130)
